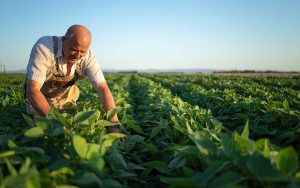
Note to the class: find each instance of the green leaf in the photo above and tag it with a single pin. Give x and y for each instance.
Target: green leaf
(297, 175)
(245, 133)
(133, 125)
(108, 140)
(57, 131)
(7, 154)
(226, 180)
(230, 147)
(87, 179)
(92, 151)
(86, 117)
(188, 171)
(120, 101)
(11, 168)
(117, 161)
(261, 168)
(80, 146)
(97, 162)
(186, 151)
(267, 151)
(215, 122)
(132, 140)
(179, 128)
(113, 136)
(180, 102)
(212, 169)
(151, 148)
(287, 160)
(203, 143)
(28, 120)
(25, 168)
(155, 164)
(59, 163)
(34, 132)
(177, 162)
(42, 123)
(11, 144)
(112, 112)
(66, 186)
(179, 182)
(124, 174)
(155, 131)
(285, 104)
(62, 170)
(132, 166)
(55, 114)
(244, 145)
(104, 123)
(111, 183)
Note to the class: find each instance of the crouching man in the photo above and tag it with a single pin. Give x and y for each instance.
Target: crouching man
(55, 64)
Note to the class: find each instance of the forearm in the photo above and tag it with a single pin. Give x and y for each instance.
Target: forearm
(36, 98)
(106, 99)
(108, 103)
(39, 103)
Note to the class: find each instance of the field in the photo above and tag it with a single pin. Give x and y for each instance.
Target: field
(182, 131)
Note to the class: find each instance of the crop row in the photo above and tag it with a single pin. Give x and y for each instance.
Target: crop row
(268, 89)
(273, 119)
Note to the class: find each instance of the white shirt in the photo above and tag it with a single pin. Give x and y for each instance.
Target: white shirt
(42, 60)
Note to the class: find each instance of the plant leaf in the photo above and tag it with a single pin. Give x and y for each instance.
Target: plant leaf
(80, 146)
(34, 132)
(245, 133)
(287, 160)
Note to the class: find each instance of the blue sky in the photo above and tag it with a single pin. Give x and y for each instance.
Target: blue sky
(162, 34)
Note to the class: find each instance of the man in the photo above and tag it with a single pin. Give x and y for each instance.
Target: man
(55, 64)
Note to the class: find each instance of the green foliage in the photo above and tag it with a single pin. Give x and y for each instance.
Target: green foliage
(182, 131)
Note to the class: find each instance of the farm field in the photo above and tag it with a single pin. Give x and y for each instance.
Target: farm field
(182, 131)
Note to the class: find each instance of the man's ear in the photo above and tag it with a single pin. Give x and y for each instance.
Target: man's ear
(63, 38)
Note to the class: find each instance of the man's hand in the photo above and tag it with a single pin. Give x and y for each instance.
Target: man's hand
(115, 129)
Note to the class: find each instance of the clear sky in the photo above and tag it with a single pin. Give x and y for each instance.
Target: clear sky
(162, 34)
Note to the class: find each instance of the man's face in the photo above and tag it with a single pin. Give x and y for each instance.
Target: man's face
(74, 49)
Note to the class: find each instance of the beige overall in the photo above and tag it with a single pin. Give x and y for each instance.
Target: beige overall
(58, 90)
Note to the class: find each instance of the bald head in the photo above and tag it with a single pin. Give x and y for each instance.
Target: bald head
(79, 34)
(76, 42)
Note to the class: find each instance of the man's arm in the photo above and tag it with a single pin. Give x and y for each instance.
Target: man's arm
(36, 98)
(106, 97)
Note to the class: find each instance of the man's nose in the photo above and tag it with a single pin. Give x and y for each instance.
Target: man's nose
(78, 54)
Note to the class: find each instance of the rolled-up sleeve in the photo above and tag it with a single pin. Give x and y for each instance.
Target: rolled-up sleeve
(37, 66)
(93, 70)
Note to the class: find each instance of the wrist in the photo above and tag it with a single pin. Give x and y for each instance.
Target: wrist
(114, 120)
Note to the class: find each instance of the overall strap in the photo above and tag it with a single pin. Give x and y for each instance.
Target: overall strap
(55, 48)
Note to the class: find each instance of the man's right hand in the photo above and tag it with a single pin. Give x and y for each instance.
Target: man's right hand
(115, 129)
